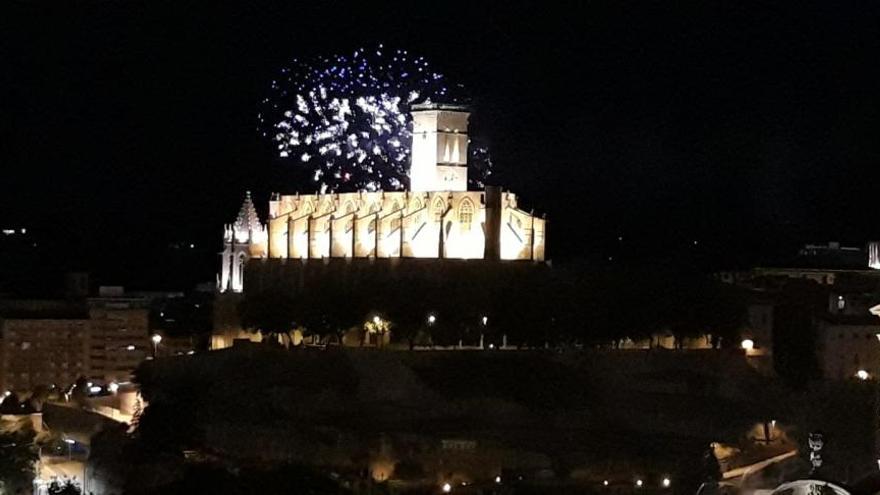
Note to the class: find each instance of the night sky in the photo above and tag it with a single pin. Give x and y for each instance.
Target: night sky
(129, 127)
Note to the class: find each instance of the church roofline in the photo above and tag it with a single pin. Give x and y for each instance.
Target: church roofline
(429, 105)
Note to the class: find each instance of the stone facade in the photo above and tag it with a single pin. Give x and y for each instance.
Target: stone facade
(438, 218)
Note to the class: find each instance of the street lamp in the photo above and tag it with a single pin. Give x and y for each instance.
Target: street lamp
(431, 319)
(484, 320)
(862, 375)
(747, 344)
(447, 488)
(156, 338)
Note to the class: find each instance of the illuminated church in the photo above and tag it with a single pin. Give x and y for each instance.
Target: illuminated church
(437, 218)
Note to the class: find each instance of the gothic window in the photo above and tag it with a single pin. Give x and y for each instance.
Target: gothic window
(240, 268)
(438, 209)
(327, 207)
(349, 207)
(466, 214)
(417, 204)
(307, 208)
(374, 208)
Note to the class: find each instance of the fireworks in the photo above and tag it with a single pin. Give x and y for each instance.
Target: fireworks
(346, 118)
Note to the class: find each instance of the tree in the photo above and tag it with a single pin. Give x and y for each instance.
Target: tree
(330, 308)
(271, 312)
(17, 458)
(65, 488)
(80, 392)
(11, 404)
(794, 332)
(407, 306)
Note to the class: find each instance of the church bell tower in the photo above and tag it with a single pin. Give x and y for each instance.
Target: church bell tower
(439, 147)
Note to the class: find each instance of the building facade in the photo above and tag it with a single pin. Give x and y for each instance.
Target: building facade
(438, 218)
(44, 343)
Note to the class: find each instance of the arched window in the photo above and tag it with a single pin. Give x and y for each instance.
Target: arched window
(438, 209)
(240, 268)
(466, 214)
(328, 206)
(417, 204)
(349, 207)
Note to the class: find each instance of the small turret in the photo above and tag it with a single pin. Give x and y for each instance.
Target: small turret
(245, 238)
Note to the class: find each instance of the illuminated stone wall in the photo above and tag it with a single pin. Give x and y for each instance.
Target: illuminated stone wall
(443, 224)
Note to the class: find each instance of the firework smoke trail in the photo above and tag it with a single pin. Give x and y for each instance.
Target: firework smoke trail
(346, 117)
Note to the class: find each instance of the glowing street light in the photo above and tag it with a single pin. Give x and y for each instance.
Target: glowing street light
(156, 338)
(605, 483)
(447, 488)
(862, 375)
(498, 479)
(113, 387)
(377, 320)
(639, 483)
(485, 320)
(666, 482)
(747, 344)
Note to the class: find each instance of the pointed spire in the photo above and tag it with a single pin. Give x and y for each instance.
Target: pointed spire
(247, 220)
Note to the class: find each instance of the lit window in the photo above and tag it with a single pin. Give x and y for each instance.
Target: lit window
(466, 214)
(841, 302)
(439, 208)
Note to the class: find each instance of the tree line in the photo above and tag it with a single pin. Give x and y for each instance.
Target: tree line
(529, 305)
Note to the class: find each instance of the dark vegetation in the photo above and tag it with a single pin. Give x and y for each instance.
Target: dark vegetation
(18, 455)
(532, 305)
(256, 411)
